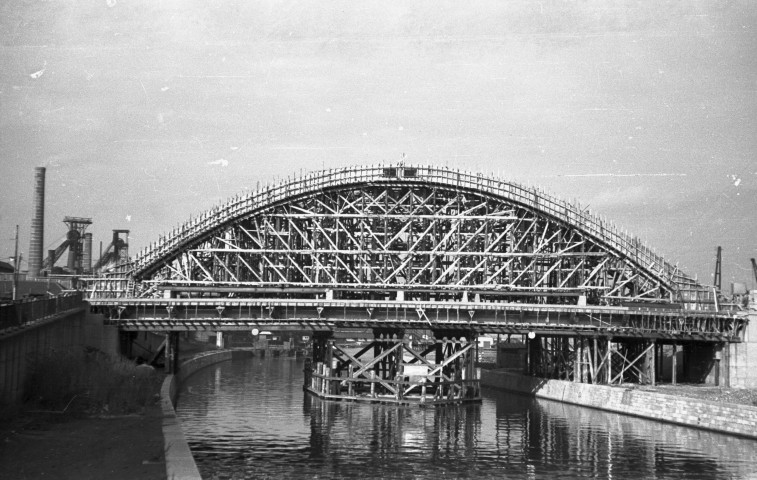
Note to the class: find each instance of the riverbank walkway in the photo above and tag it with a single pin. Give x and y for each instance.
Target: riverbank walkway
(65, 446)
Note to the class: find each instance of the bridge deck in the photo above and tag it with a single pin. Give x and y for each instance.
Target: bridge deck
(177, 314)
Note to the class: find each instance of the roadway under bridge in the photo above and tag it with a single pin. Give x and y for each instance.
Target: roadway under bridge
(399, 248)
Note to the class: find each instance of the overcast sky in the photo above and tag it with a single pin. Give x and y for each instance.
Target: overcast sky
(148, 112)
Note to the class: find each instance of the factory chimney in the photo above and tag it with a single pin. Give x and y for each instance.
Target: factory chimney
(38, 224)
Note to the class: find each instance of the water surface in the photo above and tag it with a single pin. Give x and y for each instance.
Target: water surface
(249, 418)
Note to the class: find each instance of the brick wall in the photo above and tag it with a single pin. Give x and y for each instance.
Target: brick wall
(727, 418)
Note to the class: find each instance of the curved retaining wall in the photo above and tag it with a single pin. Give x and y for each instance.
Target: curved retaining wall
(720, 417)
(179, 461)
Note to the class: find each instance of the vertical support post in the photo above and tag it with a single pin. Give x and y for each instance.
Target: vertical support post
(168, 355)
(658, 348)
(171, 353)
(726, 365)
(587, 361)
(398, 354)
(473, 358)
(219, 339)
(675, 363)
(608, 365)
(653, 359)
(332, 386)
(595, 373)
(378, 346)
(584, 361)
(577, 359)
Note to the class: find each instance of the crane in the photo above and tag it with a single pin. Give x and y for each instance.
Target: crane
(718, 276)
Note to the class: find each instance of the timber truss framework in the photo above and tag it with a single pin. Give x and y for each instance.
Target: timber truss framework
(406, 234)
(389, 370)
(422, 240)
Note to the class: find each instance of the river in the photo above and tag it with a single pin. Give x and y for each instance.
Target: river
(249, 418)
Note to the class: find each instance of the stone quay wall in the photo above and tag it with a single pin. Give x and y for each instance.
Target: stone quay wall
(720, 417)
(179, 461)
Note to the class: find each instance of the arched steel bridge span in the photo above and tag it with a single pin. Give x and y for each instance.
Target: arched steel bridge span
(409, 247)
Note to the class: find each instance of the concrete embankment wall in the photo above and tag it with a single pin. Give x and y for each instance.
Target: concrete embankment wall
(179, 461)
(582, 424)
(71, 330)
(741, 358)
(727, 418)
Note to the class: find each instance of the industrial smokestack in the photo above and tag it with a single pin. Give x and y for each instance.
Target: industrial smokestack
(38, 224)
(87, 255)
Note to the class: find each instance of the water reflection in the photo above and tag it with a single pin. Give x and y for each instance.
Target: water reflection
(377, 437)
(251, 419)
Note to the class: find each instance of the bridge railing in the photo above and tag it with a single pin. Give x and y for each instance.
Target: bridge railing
(22, 312)
(603, 231)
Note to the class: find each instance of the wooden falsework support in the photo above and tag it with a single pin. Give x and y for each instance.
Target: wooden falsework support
(577, 364)
(675, 363)
(395, 372)
(593, 360)
(608, 363)
(584, 361)
(171, 365)
(598, 360)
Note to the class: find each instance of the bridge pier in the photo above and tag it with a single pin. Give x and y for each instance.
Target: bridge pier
(742, 357)
(389, 370)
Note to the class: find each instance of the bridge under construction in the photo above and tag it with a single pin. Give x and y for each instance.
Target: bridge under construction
(402, 248)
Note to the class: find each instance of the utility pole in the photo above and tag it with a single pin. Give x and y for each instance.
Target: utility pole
(15, 268)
